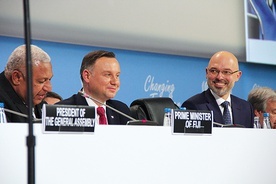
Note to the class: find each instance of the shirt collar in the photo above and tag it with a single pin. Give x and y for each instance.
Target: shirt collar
(220, 100)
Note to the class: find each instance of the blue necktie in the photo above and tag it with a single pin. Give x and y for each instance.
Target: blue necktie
(226, 113)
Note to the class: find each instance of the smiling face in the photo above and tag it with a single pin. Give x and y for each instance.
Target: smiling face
(102, 80)
(222, 73)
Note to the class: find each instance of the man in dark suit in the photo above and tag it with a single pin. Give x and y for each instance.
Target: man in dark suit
(222, 72)
(100, 73)
(13, 83)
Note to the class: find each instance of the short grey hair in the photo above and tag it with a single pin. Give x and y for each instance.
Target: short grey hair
(17, 58)
(259, 96)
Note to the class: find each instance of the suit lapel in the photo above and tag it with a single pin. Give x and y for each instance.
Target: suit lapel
(213, 106)
(80, 100)
(112, 117)
(236, 110)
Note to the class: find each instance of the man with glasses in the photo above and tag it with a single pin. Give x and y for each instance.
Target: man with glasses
(13, 83)
(222, 72)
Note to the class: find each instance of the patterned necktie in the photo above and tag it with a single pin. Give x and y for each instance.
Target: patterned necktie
(226, 113)
(101, 113)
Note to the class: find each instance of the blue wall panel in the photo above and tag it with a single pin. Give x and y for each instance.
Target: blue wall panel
(143, 74)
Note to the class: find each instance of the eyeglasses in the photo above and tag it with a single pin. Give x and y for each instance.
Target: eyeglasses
(224, 72)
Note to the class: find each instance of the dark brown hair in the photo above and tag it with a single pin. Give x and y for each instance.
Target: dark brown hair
(90, 59)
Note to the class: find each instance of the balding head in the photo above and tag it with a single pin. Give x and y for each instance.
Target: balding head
(222, 72)
(224, 59)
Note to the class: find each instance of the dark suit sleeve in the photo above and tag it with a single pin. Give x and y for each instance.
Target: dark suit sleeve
(249, 123)
(11, 101)
(197, 102)
(114, 117)
(75, 99)
(242, 112)
(123, 119)
(189, 105)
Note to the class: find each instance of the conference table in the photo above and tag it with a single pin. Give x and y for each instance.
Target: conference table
(116, 154)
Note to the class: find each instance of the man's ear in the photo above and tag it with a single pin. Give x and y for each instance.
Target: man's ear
(238, 74)
(86, 75)
(16, 77)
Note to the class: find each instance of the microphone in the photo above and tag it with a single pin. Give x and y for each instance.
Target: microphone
(16, 113)
(21, 114)
(87, 96)
(132, 122)
(228, 125)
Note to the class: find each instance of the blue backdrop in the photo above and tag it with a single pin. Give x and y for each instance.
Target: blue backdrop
(142, 74)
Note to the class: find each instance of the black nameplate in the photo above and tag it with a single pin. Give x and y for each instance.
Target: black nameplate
(192, 121)
(68, 118)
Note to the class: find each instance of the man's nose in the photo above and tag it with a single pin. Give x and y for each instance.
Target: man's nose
(47, 86)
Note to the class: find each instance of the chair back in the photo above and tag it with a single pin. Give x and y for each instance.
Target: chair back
(151, 108)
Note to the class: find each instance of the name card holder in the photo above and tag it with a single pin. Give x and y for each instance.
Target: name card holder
(68, 119)
(191, 121)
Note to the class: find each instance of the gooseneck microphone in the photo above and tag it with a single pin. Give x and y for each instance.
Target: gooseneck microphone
(16, 113)
(21, 114)
(228, 125)
(132, 122)
(94, 99)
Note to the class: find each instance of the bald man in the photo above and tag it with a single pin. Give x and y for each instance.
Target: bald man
(221, 73)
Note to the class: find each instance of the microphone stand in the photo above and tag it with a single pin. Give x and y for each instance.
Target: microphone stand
(30, 138)
(132, 120)
(87, 96)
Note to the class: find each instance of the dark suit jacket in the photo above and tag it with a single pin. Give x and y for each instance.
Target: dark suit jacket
(242, 110)
(13, 102)
(113, 117)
